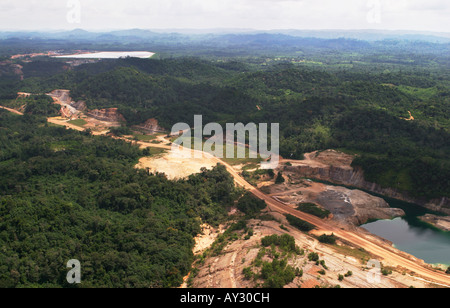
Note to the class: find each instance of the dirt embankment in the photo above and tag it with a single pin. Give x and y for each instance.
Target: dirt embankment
(69, 108)
(97, 120)
(107, 115)
(335, 167)
(151, 126)
(226, 270)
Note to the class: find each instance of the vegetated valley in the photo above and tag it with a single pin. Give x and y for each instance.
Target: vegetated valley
(66, 193)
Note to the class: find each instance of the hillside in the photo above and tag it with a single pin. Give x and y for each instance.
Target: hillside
(397, 122)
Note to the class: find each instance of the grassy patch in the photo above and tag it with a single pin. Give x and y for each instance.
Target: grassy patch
(421, 93)
(13, 104)
(78, 122)
(359, 254)
(64, 145)
(234, 160)
(144, 138)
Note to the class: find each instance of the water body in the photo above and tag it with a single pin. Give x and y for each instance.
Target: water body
(413, 236)
(409, 233)
(110, 55)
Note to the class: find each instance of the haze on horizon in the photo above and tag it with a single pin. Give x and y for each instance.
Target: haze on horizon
(412, 15)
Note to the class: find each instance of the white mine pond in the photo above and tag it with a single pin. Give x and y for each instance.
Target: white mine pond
(110, 55)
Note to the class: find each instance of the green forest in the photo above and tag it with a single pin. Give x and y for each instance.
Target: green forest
(70, 195)
(67, 195)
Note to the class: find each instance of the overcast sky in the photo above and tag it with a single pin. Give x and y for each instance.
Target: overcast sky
(419, 15)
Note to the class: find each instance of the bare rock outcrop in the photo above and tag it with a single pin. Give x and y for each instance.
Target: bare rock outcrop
(320, 166)
(69, 108)
(355, 207)
(106, 115)
(348, 207)
(80, 105)
(439, 222)
(62, 96)
(150, 126)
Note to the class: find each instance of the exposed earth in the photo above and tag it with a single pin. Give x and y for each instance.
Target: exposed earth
(176, 166)
(226, 270)
(349, 207)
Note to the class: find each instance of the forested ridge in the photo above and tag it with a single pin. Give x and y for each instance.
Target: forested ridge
(67, 195)
(359, 111)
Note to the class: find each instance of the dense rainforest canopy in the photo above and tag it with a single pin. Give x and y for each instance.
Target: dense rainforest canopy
(67, 195)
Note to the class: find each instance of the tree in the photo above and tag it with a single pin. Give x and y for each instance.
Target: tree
(327, 239)
(299, 224)
(280, 179)
(250, 205)
(313, 256)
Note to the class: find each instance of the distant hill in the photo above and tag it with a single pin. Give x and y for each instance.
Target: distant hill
(364, 35)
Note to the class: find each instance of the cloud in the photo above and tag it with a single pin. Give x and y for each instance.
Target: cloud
(257, 14)
(430, 5)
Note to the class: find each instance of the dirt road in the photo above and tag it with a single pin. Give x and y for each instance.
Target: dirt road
(64, 122)
(11, 110)
(382, 251)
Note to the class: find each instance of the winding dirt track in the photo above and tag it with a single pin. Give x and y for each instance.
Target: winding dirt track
(11, 110)
(383, 252)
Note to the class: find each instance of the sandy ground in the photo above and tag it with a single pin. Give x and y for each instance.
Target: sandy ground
(101, 130)
(204, 240)
(176, 166)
